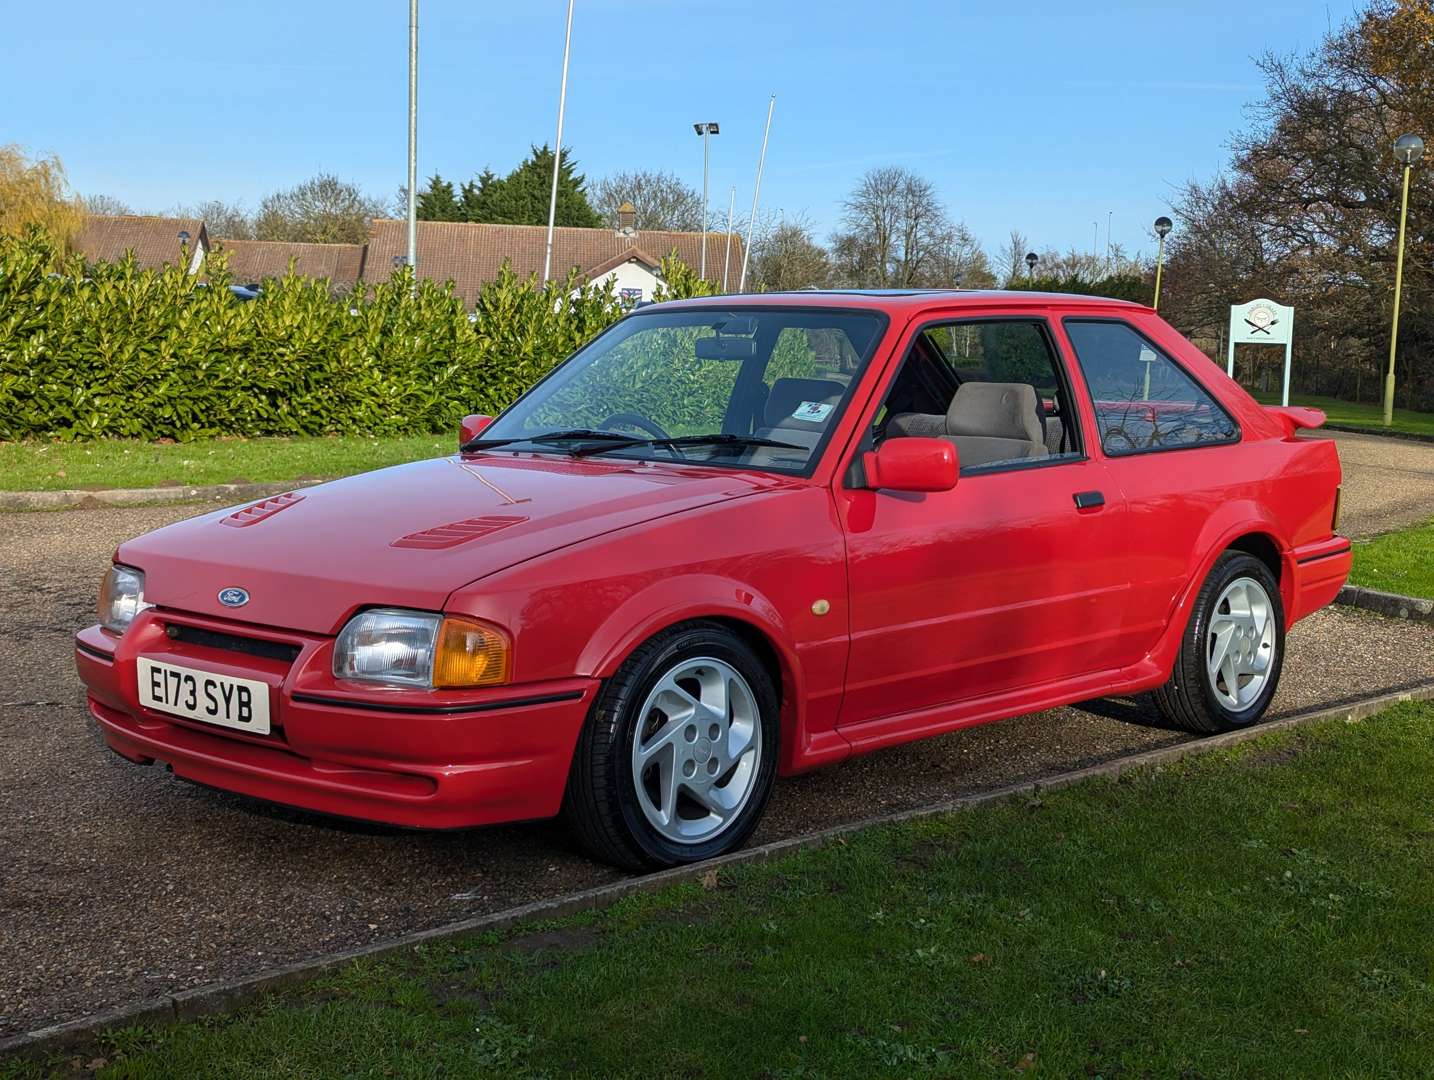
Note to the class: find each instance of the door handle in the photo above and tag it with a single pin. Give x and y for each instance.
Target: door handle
(1089, 500)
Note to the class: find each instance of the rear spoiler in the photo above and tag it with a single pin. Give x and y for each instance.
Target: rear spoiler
(1295, 417)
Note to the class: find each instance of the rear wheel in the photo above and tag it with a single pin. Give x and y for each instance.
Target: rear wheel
(1232, 651)
(676, 763)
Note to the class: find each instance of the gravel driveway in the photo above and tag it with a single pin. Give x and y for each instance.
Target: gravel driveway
(1388, 483)
(121, 883)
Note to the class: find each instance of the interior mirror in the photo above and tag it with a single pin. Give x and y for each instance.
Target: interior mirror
(912, 464)
(471, 427)
(722, 347)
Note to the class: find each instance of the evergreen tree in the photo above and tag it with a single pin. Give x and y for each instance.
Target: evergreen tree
(438, 202)
(521, 197)
(473, 199)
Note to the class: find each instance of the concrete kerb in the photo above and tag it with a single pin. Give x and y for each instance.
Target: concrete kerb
(229, 994)
(82, 500)
(1383, 603)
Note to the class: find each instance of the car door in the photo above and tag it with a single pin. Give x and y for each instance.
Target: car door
(1171, 449)
(1015, 578)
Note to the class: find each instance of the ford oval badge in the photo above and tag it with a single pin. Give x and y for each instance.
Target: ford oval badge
(233, 597)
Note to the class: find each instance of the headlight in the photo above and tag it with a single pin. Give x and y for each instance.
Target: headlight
(121, 597)
(418, 648)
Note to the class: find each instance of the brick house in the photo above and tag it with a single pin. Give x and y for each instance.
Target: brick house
(471, 255)
(251, 261)
(155, 241)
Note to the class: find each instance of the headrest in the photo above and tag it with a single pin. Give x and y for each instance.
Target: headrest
(801, 402)
(995, 410)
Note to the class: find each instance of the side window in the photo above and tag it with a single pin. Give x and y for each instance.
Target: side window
(1143, 400)
(993, 387)
(1004, 351)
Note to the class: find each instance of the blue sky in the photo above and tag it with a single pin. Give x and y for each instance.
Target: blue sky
(1040, 116)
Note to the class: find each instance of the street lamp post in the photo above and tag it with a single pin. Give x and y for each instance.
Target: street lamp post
(1407, 150)
(706, 131)
(1031, 260)
(1163, 225)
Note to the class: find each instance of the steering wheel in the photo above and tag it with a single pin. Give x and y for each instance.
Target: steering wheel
(642, 423)
(1117, 435)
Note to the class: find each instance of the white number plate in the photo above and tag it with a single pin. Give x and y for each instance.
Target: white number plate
(201, 695)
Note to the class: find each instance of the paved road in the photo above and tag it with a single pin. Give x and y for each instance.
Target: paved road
(118, 882)
(1388, 483)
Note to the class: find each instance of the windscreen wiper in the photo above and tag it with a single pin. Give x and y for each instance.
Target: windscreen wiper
(570, 435)
(738, 442)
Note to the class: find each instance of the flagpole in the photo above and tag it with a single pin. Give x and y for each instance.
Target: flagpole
(727, 259)
(558, 149)
(756, 194)
(413, 142)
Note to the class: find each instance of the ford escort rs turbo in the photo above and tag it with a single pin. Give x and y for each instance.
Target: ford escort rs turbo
(729, 539)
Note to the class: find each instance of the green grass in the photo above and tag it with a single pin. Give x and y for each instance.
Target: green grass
(1354, 414)
(1398, 562)
(125, 463)
(1262, 911)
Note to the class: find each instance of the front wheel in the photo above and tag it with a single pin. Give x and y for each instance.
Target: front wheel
(1232, 652)
(677, 760)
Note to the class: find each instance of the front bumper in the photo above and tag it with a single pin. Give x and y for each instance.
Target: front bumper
(441, 760)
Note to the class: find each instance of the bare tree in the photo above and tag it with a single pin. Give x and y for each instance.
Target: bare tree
(1307, 212)
(958, 260)
(787, 256)
(225, 221)
(893, 225)
(323, 210)
(104, 206)
(661, 199)
(1013, 256)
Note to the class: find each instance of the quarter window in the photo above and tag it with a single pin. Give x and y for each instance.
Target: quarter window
(1143, 400)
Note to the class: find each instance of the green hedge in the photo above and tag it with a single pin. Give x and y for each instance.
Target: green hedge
(109, 349)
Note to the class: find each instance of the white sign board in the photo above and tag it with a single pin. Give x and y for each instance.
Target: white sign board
(1262, 322)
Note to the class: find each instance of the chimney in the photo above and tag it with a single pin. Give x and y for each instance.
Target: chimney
(626, 219)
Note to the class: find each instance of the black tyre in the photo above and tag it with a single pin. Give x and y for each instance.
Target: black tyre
(1232, 652)
(677, 760)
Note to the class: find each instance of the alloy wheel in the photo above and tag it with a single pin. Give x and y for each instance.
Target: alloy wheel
(696, 750)
(1240, 644)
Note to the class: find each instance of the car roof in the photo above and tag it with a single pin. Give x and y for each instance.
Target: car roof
(901, 299)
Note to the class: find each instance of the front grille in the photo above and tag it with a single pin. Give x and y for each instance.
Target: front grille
(213, 639)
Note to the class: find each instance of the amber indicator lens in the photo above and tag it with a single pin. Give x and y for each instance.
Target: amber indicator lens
(469, 653)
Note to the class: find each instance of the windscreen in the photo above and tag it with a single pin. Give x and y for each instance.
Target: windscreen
(755, 388)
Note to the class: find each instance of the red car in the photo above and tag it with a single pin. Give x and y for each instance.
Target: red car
(731, 538)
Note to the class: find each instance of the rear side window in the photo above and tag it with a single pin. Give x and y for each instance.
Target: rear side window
(1144, 401)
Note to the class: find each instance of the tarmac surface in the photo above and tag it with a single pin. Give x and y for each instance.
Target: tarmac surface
(119, 883)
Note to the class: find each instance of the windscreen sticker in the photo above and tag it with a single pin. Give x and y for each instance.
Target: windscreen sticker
(812, 411)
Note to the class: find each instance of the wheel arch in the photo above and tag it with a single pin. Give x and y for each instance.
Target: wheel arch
(1239, 526)
(1264, 547)
(683, 600)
